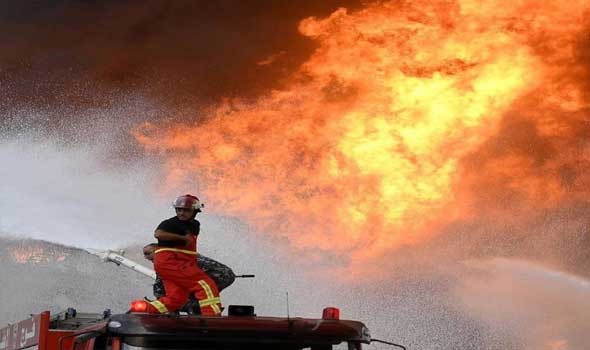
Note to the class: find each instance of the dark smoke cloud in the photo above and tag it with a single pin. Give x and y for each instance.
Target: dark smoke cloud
(84, 54)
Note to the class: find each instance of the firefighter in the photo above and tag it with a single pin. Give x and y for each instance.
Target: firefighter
(175, 262)
(220, 273)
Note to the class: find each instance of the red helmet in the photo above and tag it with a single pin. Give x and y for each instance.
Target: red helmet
(188, 201)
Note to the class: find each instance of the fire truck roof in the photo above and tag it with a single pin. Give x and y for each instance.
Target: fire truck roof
(167, 331)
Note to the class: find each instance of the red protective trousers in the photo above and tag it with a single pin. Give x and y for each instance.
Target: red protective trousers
(181, 276)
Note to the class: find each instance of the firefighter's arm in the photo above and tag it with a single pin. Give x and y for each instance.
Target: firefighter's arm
(168, 236)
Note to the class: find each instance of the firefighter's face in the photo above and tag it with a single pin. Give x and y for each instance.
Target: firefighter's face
(148, 252)
(185, 214)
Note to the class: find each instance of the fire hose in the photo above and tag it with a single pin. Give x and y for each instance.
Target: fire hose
(117, 258)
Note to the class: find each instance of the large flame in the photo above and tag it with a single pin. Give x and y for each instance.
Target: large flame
(364, 151)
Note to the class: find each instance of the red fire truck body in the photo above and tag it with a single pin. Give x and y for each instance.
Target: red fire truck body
(140, 331)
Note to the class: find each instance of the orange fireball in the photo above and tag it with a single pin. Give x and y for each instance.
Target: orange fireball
(364, 151)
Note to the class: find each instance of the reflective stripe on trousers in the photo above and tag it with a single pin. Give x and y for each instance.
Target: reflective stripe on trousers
(211, 300)
(159, 306)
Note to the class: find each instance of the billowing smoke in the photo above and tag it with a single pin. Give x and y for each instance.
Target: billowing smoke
(84, 54)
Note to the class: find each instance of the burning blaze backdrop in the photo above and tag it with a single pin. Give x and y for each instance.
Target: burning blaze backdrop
(376, 126)
(408, 116)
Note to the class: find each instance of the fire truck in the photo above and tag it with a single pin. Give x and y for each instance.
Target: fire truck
(135, 330)
(138, 330)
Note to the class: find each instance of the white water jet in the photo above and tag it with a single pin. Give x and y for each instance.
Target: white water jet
(68, 195)
(544, 308)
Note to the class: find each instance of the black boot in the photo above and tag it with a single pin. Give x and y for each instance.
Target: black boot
(192, 306)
